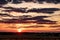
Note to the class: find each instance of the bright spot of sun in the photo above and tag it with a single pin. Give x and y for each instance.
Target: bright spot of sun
(20, 29)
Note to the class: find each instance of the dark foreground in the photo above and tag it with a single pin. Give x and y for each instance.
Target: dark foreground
(29, 36)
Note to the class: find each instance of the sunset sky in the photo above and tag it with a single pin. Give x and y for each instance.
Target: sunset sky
(30, 16)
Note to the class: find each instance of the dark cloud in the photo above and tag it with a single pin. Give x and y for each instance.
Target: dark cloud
(40, 20)
(24, 10)
(7, 7)
(55, 26)
(5, 15)
(36, 18)
(11, 21)
(17, 1)
(49, 1)
(28, 0)
(53, 1)
(3, 2)
(46, 22)
(35, 1)
(44, 10)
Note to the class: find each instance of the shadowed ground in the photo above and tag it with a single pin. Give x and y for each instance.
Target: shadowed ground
(29, 36)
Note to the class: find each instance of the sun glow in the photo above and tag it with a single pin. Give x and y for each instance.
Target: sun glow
(20, 29)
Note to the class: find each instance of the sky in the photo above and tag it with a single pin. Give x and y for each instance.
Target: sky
(31, 16)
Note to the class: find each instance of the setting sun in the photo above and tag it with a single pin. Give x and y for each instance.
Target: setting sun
(20, 29)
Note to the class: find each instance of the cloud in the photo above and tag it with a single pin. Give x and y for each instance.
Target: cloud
(29, 6)
(26, 11)
(34, 1)
(3, 2)
(43, 10)
(40, 18)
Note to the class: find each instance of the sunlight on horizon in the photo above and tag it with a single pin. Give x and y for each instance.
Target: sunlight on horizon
(20, 29)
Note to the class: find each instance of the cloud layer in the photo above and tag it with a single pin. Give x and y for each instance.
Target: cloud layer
(34, 14)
